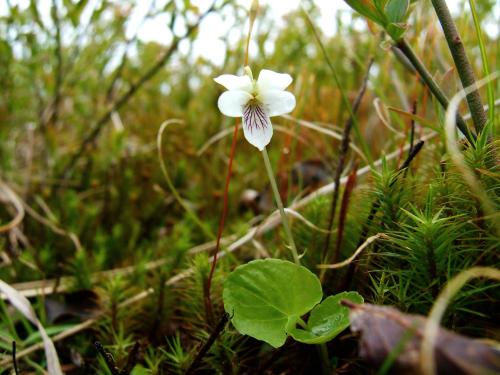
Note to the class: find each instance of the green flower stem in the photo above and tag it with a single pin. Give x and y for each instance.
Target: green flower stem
(301, 323)
(279, 203)
(462, 63)
(432, 85)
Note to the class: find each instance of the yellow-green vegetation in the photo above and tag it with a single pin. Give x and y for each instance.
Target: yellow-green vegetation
(113, 164)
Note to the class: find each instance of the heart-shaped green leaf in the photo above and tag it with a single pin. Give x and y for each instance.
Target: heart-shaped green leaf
(265, 297)
(327, 320)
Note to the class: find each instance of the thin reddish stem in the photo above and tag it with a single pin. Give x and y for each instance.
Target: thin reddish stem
(222, 219)
(344, 205)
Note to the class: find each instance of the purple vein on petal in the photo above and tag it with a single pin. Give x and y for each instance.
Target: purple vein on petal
(254, 117)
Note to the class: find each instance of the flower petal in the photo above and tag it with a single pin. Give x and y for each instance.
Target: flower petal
(269, 80)
(257, 126)
(232, 82)
(277, 102)
(231, 103)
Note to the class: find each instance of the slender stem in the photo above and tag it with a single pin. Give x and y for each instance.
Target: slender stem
(222, 221)
(301, 323)
(279, 203)
(208, 344)
(432, 85)
(462, 63)
(325, 359)
(59, 62)
(14, 360)
(484, 58)
(252, 15)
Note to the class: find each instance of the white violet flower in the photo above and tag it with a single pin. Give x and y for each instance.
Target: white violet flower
(256, 102)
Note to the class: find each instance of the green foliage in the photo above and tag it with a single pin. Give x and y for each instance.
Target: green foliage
(390, 14)
(327, 319)
(136, 239)
(266, 299)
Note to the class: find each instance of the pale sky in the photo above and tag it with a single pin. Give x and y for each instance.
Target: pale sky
(215, 26)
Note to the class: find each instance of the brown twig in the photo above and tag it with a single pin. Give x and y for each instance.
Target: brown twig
(412, 126)
(208, 284)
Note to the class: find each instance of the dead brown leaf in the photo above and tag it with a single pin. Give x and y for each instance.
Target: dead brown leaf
(388, 333)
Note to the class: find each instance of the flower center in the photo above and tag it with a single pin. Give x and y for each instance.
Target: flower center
(254, 116)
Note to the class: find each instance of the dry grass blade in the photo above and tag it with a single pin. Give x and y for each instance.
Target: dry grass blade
(16, 201)
(168, 180)
(48, 286)
(22, 304)
(56, 229)
(358, 251)
(311, 225)
(383, 114)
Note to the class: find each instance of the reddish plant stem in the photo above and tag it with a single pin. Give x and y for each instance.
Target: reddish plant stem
(344, 148)
(344, 205)
(208, 285)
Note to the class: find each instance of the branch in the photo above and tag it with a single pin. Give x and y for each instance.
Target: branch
(462, 63)
(433, 86)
